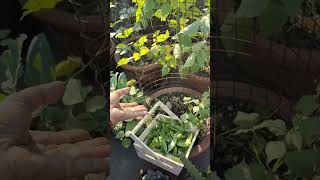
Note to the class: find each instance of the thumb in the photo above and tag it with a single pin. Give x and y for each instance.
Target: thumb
(36, 96)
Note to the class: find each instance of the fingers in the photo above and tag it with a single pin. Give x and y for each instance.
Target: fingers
(36, 96)
(135, 114)
(25, 165)
(128, 104)
(62, 137)
(98, 147)
(135, 108)
(116, 95)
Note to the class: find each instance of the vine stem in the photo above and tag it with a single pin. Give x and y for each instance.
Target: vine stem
(277, 165)
(230, 131)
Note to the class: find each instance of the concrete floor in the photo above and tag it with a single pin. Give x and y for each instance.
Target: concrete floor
(125, 164)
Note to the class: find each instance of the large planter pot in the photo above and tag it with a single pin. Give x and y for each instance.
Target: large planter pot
(72, 33)
(154, 168)
(252, 93)
(202, 146)
(200, 82)
(144, 74)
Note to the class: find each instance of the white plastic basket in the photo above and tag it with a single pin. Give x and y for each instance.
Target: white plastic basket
(147, 153)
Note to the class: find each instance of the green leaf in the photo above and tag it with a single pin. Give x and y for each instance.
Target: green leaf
(122, 81)
(185, 40)
(121, 46)
(251, 8)
(190, 61)
(154, 143)
(148, 6)
(67, 67)
(120, 135)
(246, 120)
(302, 163)
(257, 171)
(96, 103)
(275, 150)
(273, 18)
(39, 62)
(85, 91)
(307, 104)
(277, 127)
(172, 144)
(198, 46)
(126, 142)
(294, 138)
(236, 29)
(309, 129)
(163, 143)
(131, 125)
(72, 94)
(240, 171)
(165, 70)
(123, 61)
(191, 29)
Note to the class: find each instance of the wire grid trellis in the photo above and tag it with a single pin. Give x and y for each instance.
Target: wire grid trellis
(295, 47)
(89, 27)
(278, 55)
(148, 74)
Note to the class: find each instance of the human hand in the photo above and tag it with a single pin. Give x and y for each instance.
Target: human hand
(123, 111)
(37, 155)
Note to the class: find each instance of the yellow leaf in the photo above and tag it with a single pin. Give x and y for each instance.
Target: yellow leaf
(68, 66)
(163, 37)
(136, 56)
(123, 61)
(144, 51)
(128, 32)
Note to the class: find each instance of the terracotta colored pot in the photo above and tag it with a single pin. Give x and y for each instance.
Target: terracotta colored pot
(205, 143)
(155, 168)
(76, 34)
(200, 82)
(248, 92)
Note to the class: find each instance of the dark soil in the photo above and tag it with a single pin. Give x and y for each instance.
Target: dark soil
(174, 102)
(227, 150)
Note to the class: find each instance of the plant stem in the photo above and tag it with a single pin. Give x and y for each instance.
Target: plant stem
(230, 131)
(277, 165)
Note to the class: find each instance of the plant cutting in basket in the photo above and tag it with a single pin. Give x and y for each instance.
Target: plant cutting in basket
(261, 147)
(164, 138)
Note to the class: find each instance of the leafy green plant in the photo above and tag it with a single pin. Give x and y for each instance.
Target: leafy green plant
(264, 148)
(170, 137)
(193, 56)
(81, 106)
(191, 168)
(161, 48)
(119, 81)
(199, 111)
(271, 14)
